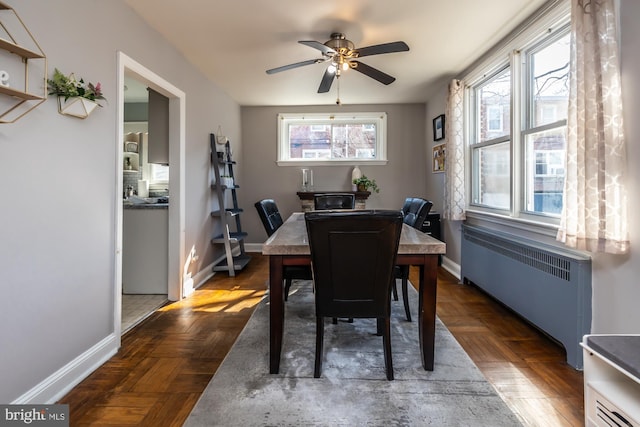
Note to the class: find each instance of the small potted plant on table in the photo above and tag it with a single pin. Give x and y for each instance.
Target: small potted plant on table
(364, 184)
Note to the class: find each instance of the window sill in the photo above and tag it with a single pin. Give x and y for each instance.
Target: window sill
(348, 162)
(534, 229)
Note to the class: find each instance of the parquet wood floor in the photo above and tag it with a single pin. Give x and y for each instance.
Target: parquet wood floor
(165, 363)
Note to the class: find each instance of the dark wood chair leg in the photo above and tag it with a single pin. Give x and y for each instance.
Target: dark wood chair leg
(405, 294)
(386, 342)
(394, 289)
(287, 286)
(319, 344)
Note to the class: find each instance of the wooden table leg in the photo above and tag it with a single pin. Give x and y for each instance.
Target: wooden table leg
(427, 309)
(276, 312)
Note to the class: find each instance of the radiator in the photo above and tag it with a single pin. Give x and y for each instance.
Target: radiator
(547, 286)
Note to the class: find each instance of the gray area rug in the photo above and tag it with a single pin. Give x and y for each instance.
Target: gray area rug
(353, 390)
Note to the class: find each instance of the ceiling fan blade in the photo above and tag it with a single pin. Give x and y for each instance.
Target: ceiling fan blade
(327, 80)
(326, 50)
(296, 65)
(372, 72)
(382, 48)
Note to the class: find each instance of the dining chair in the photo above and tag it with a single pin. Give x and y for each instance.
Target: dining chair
(415, 211)
(334, 201)
(353, 254)
(272, 220)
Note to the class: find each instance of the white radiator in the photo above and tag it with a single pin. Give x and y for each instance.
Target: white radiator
(549, 287)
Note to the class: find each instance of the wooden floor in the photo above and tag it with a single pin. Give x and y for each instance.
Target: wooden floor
(165, 363)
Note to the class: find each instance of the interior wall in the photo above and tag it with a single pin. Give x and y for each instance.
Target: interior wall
(616, 291)
(404, 175)
(58, 223)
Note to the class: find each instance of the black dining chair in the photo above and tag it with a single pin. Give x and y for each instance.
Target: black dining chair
(272, 220)
(334, 201)
(415, 211)
(353, 254)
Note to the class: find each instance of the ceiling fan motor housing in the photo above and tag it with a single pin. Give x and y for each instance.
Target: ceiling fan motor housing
(340, 44)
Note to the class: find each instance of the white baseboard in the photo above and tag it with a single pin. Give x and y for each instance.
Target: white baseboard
(451, 267)
(203, 275)
(253, 247)
(64, 379)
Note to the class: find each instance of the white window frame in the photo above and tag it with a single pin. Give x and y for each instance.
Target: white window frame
(287, 119)
(539, 27)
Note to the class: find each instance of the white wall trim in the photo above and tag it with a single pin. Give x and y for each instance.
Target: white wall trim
(177, 209)
(202, 276)
(451, 267)
(54, 387)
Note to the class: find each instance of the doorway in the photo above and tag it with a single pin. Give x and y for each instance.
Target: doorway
(176, 256)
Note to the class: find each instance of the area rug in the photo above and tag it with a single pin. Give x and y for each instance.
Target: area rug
(353, 389)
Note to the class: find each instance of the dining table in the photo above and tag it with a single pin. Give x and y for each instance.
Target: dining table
(289, 245)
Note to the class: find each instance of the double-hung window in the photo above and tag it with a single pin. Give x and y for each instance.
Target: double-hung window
(517, 122)
(336, 138)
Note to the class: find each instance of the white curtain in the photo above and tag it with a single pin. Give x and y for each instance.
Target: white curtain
(594, 216)
(454, 195)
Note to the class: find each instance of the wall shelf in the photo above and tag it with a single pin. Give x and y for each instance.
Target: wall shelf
(19, 102)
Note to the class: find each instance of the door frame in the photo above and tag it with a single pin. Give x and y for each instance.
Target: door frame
(176, 238)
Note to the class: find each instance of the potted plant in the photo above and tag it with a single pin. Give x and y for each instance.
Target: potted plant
(364, 184)
(75, 97)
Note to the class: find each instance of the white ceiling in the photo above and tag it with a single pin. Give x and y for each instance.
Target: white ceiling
(234, 42)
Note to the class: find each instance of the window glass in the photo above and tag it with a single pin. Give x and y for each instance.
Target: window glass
(545, 171)
(332, 138)
(494, 106)
(493, 177)
(550, 82)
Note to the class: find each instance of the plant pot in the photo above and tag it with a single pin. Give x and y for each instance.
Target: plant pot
(77, 106)
(362, 187)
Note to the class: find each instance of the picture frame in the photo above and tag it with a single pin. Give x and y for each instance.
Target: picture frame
(439, 157)
(438, 128)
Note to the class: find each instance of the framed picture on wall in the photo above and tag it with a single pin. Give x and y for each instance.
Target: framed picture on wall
(438, 128)
(438, 158)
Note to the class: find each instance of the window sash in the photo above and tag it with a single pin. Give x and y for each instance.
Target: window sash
(337, 147)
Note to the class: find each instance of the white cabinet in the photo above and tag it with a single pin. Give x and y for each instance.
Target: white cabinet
(611, 380)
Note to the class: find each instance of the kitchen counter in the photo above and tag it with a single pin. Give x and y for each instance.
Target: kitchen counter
(126, 205)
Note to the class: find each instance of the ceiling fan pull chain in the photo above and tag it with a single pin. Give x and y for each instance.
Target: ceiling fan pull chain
(338, 82)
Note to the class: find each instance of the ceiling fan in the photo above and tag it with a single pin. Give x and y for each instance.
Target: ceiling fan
(341, 55)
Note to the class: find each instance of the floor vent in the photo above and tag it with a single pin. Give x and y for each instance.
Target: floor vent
(612, 417)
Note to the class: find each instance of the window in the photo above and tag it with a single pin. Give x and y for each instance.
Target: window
(517, 124)
(491, 152)
(331, 138)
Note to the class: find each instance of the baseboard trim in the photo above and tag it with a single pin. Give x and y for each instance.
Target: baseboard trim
(64, 379)
(253, 247)
(203, 275)
(451, 267)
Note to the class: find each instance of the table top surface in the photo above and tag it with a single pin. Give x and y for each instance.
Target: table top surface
(291, 239)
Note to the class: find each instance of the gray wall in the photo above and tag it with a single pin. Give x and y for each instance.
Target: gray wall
(57, 225)
(404, 175)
